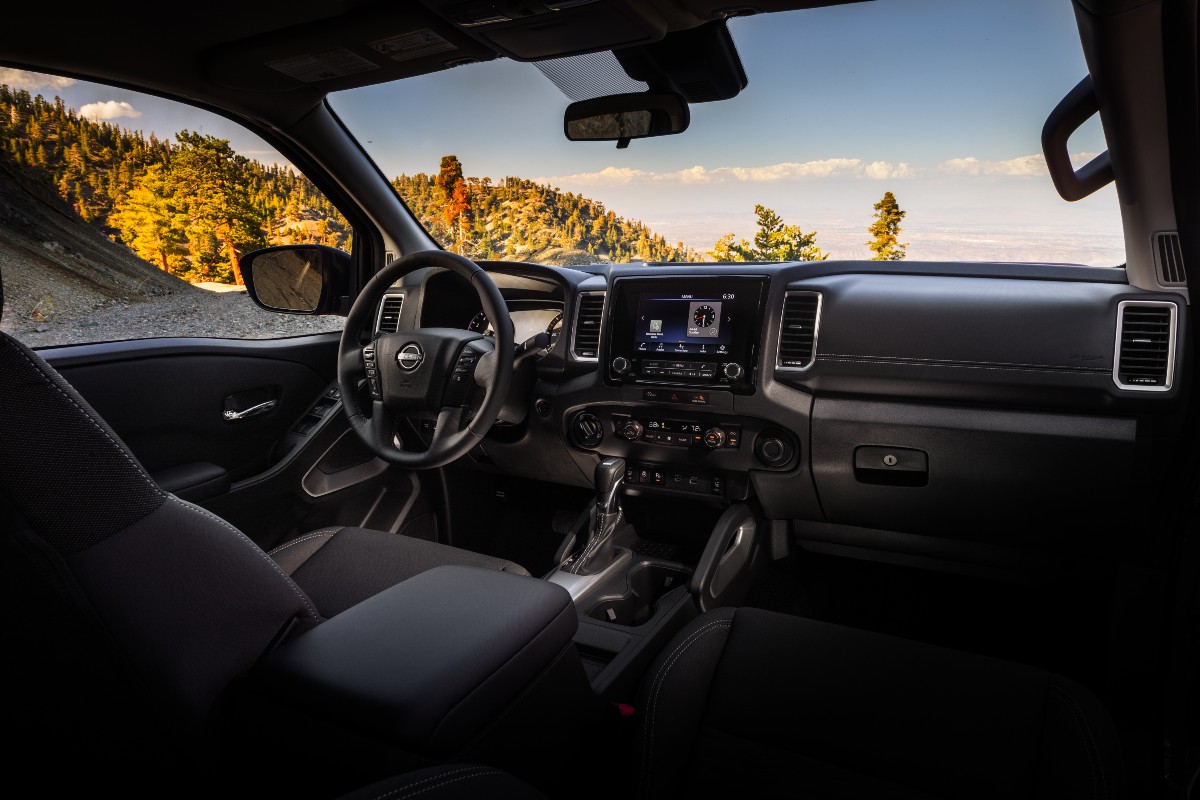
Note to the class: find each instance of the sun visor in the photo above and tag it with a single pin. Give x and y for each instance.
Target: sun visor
(368, 45)
(526, 31)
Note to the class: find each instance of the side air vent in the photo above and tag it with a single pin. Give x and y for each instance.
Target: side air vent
(585, 341)
(798, 330)
(1145, 345)
(1168, 256)
(389, 313)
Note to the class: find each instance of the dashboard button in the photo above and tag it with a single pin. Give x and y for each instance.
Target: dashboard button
(714, 437)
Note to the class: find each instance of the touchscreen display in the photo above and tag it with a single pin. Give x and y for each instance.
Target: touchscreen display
(684, 323)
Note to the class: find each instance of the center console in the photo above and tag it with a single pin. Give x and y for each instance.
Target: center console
(676, 533)
(696, 331)
(683, 348)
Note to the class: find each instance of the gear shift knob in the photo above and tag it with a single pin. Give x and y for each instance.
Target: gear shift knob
(609, 474)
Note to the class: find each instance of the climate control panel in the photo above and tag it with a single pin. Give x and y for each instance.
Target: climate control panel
(677, 433)
(710, 454)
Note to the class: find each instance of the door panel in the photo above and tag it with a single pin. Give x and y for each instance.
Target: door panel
(167, 401)
(167, 398)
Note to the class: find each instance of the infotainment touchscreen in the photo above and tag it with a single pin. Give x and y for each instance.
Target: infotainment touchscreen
(689, 330)
(685, 322)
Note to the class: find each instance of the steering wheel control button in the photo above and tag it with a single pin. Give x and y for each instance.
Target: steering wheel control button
(368, 357)
(410, 356)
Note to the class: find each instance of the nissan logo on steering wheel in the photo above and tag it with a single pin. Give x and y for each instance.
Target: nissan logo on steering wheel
(410, 356)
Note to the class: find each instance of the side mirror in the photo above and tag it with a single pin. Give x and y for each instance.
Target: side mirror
(622, 117)
(297, 278)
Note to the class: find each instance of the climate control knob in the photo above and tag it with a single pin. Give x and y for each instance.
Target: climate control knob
(714, 438)
(732, 370)
(620, 365)
(631, 430)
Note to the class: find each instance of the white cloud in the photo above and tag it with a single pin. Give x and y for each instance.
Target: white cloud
(108, 109)
(32, 81)
(770, 173)
(1020, 167)
(882, 170)
(608, 175)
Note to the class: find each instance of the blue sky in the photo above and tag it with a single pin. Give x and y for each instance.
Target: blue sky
(939, 101)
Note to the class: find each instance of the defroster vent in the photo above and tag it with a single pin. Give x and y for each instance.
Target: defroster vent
(1168, 256)
(1145, 345)
(389, 313)
(798, 330)
(585, 338)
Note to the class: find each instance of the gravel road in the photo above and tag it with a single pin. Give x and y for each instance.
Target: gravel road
(222, 314)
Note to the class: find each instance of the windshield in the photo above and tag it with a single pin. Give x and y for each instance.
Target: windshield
(900, 130)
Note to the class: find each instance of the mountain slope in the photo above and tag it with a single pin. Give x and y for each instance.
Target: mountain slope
(53, 264)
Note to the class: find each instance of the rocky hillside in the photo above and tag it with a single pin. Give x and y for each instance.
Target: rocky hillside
(55, 266)
(65, 282)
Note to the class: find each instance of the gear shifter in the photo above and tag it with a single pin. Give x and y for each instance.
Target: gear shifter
(597, 552)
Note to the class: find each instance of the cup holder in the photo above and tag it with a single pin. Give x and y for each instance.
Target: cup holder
(647, 582)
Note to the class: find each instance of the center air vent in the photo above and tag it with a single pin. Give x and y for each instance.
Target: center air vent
(1145, 345)
(585, 341)
(389, 313)
(798, 330)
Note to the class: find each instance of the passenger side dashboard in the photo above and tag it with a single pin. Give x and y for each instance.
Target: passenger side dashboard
(959, 416)
(948, 414)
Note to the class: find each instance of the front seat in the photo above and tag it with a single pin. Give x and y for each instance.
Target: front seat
(132, 610)
(752, 702)
(744, 702)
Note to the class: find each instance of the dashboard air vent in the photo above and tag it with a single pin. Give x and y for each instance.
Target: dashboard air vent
(1145, 345)
(585, 341)
(1168, 255)
(798, 330)
(389, 313)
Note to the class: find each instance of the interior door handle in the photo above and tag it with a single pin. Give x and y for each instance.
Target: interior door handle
(253, 411)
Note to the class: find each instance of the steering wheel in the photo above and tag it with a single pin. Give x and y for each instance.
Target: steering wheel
(460, 376)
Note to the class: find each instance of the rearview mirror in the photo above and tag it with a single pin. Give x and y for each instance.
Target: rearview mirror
(296, 278)
(623, 117)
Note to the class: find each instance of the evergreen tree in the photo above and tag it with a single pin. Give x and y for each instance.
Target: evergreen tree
(151, 224)
(211, 181)
(774, 241)
(886, 228)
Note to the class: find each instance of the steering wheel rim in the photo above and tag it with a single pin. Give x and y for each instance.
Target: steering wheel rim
(492, 369)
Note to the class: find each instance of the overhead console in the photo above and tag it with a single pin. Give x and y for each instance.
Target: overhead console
(687, 331)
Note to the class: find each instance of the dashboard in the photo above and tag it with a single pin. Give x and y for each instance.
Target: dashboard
(535, 306)
(527, 323)
(897, 409)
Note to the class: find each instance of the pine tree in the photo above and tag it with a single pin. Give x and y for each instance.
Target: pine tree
(151, 224)
(210, 179)
(774, 241)
(886, 228)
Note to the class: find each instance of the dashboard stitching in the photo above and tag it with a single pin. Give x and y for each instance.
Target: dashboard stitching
(922, 362)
